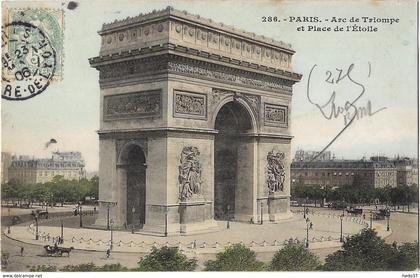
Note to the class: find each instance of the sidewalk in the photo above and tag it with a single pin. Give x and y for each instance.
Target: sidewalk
(261, 238)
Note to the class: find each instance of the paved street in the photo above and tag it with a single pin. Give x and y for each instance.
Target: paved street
(404, 227)
(326, 230)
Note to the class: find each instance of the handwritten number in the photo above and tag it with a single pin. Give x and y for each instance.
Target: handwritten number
(329, 79)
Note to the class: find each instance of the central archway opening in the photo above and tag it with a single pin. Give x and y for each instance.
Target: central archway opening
(232, 122)
(135, 166)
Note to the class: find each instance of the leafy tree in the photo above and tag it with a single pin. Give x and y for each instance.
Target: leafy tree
(93, 190)
(236, 257)
(43, 268)
(112, 267)
(166, 259)
(406, 257)
(294, 257)
(414, 193)
(317, 193)
(383, 194)
(362, 252)
(79, 268)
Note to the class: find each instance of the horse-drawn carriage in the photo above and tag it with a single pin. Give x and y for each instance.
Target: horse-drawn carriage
(354, 211)
(56, 250)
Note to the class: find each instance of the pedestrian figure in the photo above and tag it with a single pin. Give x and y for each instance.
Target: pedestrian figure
(394, 245)
(108, 253)
(21, 251)
(364, 216)
(311, 226)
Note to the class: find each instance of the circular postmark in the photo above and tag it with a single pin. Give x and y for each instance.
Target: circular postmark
(28, 61)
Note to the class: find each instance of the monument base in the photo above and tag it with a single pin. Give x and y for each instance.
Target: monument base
(278, 208)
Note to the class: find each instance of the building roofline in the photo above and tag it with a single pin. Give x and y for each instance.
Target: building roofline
(170, 12)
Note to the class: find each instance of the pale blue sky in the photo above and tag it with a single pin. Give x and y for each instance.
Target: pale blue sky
(69, 110)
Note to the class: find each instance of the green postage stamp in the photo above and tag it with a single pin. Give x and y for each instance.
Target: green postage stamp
(32, 50)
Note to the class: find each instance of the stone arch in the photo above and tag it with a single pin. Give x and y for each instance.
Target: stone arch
(234, 160)
(131, 167)
(124, 151)
(244, 103)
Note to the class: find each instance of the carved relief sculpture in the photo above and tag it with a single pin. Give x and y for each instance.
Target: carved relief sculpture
(190, 105)
(132, 105)
(275, 171)
(275, 115)
(189, 178)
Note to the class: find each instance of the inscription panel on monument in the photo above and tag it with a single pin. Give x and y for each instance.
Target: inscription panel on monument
(275, 115)
(133, 105)
(190, 105)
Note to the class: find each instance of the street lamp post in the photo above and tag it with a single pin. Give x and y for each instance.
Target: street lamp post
(62, 232)
(94, 214)
(133, 210)
(387, 219)
(228, 217)
(262, 220)
(10, 221)
(108, 207)
(111, 222)
(371, 219)
(341, 227)
(307, 232)
(36, 226)
(166, 221)
(80, 214)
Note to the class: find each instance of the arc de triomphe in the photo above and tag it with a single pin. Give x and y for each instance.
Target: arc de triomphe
(194, 124)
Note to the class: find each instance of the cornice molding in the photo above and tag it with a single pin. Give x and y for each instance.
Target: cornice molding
(171, 13)
(126, 70)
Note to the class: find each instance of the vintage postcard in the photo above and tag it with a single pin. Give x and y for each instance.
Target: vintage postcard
(193, 135)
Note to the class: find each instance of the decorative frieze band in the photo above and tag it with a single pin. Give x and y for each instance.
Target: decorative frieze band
(228, 75)
(275, 115)
(132, 105)
(190, 105)
(121, 72)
